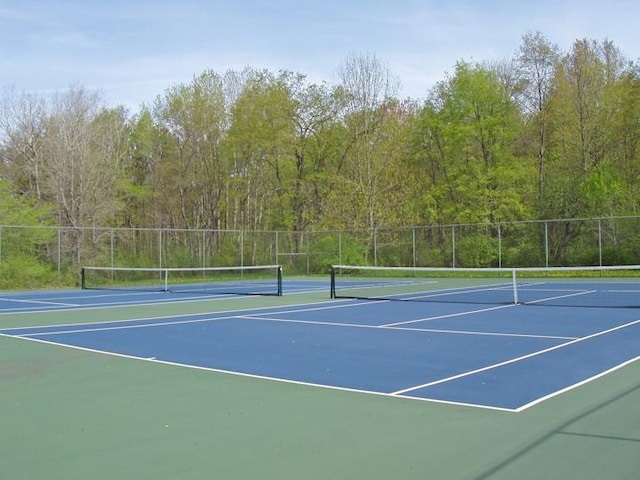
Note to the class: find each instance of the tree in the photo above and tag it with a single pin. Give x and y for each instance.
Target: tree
(190, 173)
(464, 150)
(315, 111)
(584, 142)
(67, 152)
(139, 167)
(85, 146)
(22, 248)
(538, 60)
(23, 125)
(366, 175)
(259, 146)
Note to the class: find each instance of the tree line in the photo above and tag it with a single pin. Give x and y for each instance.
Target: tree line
(544, 134)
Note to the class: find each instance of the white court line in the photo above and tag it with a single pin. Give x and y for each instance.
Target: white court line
(449, 315)
(225, 314)
(576, 385)
(542, 300)
(71, 295)
(405, 329)
(150, 302)
(126, 304)
(96, 328)
(123, 327)
(435, 293)
(513, 360)
(38, 302)
(231, 314)
(447, 292)
(323, 306)
(264, 377)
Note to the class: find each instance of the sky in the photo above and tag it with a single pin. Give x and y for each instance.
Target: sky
(131, 51)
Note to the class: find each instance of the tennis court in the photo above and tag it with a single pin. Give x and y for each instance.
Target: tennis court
(179, 383)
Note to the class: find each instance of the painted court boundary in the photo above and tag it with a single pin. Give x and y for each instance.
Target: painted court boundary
(231, 314)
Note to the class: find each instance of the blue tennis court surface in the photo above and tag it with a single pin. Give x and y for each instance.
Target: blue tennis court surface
(506, 357)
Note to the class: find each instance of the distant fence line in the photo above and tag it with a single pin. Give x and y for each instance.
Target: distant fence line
(559, 242)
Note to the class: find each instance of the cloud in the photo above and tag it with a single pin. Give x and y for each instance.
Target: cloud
(136, 49)
(65, 40)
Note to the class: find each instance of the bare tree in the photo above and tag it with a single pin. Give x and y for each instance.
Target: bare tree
(370, 89)
(22, 124)
(67, 151)
(83, 152)
(538, 61)
(368, 81)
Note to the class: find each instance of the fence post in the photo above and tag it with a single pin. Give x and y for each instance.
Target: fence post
(203, 261)
(375, 247)
(546, 244)
(600, 242)
(308, 251)
(453, 246)
(241, 248)
(413, 246)
(499, 246)
(59, 252)
(111, 247)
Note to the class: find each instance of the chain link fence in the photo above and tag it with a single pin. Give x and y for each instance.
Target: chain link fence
(37, 256)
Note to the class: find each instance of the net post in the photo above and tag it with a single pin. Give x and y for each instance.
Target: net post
(515, 286)
(279, 280)
(332, 273)
(82, 280)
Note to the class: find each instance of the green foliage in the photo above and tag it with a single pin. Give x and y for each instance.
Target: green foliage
(466, 144)
(523, 245)
(603, 191)
(20, 272)
(477, 251)
(333, 248)
(552, 135)
(21, 209)
(21, 264)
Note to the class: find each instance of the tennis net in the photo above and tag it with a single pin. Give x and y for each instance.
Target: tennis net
(240, 280)
(607, 286)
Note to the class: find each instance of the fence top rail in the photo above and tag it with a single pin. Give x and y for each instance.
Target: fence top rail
(274, 232)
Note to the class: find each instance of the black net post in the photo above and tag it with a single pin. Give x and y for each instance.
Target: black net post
(333, 282)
